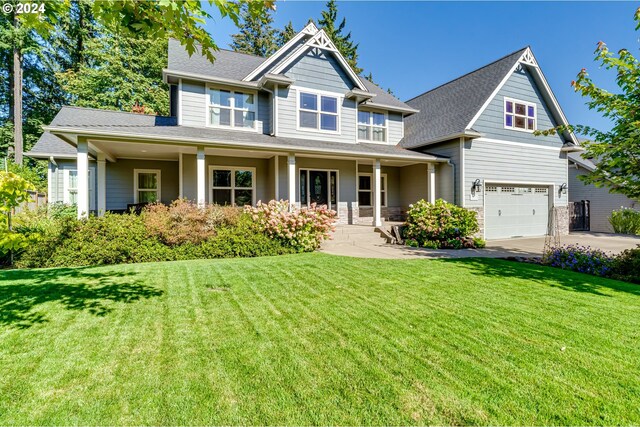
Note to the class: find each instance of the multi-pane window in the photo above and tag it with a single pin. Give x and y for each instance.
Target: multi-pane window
(519, 115)
(232, 186)
(232, 109)
(365, 190)
(318, 112)
(72, 188)
(372, 126)
(147, 186)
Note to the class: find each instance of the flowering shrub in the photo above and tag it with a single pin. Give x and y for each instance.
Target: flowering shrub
(626, 266)
(446, 224)
(625, 221)
(582, 259)
(184, 222)
(302, 229)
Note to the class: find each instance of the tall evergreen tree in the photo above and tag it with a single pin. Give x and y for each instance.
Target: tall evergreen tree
(257, 35)
(285, 34)
(346, 46)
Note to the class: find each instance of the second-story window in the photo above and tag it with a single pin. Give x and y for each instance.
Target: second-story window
(519, 115)
(318, 112)
(372, 126)
(232, 109)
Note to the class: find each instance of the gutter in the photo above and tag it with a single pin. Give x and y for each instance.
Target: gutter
(466, 134)
(210, 79)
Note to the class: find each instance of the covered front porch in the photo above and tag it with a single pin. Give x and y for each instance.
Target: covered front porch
(363, 189)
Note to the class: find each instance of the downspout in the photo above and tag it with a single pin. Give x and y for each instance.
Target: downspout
(272, 94)
(453, 180)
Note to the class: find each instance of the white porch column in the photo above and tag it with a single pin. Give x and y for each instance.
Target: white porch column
(180, 176)
(432, 183)
(377, 195)
(83, 178)
(201, 179)
(276, 172)
(102, 184)
(291, 176)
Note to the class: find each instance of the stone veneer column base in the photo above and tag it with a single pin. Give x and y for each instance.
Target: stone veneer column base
(563, 220)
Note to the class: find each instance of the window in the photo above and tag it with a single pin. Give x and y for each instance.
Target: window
(71, 187)
(319, 112)
(232, 109)
(372, 126)
(146, 183)
(519, 115)
(232, 186)
(365, 189)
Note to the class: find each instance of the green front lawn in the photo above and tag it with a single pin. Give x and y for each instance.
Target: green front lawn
(316, 339)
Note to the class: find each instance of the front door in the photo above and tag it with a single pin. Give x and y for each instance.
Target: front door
(318, 183)
(319, 187)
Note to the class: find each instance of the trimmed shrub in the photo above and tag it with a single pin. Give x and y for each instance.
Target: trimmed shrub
(625, 221)
(446, 224)
(302, 229)
(626, 266)
(582, 259)
(185, 222)
(111, 239)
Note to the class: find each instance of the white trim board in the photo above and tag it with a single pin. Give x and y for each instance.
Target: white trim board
(518, 144)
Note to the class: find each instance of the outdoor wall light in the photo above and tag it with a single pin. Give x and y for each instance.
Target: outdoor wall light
(563, 188)
(477, 185)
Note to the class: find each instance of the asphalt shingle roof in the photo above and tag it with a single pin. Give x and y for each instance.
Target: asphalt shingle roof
(228, 64)
(88, 120)
(448, 109)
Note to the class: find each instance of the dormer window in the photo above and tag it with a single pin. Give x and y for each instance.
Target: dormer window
(519, 115)
(372, 126)
(232, 109)
(318, 112)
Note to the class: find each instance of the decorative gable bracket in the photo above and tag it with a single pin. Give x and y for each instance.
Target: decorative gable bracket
(528, 58)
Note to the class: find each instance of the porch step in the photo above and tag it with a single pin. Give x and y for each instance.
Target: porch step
(353, 235)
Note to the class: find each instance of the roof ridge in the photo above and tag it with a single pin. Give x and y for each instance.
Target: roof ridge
(468, 73)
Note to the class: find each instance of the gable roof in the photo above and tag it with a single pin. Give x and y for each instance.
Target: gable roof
(583, 162)
(90, 122)
(448, 109)
(451, 109)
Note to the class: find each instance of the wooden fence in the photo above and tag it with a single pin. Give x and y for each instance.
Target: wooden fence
(37, 199)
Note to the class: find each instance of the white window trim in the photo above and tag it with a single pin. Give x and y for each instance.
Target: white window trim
(65, 186)
(318, 94)
(526, 104)
(233, 182)
(136, 172)
(385, 127)
(386, 189)
(308, 201)
(209, 105)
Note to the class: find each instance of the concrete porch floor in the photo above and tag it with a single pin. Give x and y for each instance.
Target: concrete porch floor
(362, 242)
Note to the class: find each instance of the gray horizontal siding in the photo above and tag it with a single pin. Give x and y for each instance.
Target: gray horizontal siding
(448, 177)
(395, 124)
(318, 70)
(508, 163)
(601, 201)
(119, 181)
(288, 120)
(193, 104)
(519, 86)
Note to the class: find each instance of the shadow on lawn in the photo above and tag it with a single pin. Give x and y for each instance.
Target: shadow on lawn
(74, 288)
(554, 277)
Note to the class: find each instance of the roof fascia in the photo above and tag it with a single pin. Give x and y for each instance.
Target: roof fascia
(310, 29)
(159, 139)
(466, 134)
(210, 79)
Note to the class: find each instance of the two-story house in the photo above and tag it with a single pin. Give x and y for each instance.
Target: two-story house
(300, 125)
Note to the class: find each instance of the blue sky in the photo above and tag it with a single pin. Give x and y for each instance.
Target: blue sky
(412, 47)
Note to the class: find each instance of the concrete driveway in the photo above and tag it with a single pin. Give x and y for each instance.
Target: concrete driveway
(362, 242)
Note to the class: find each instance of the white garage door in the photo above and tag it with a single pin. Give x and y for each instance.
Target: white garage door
(514, 211)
